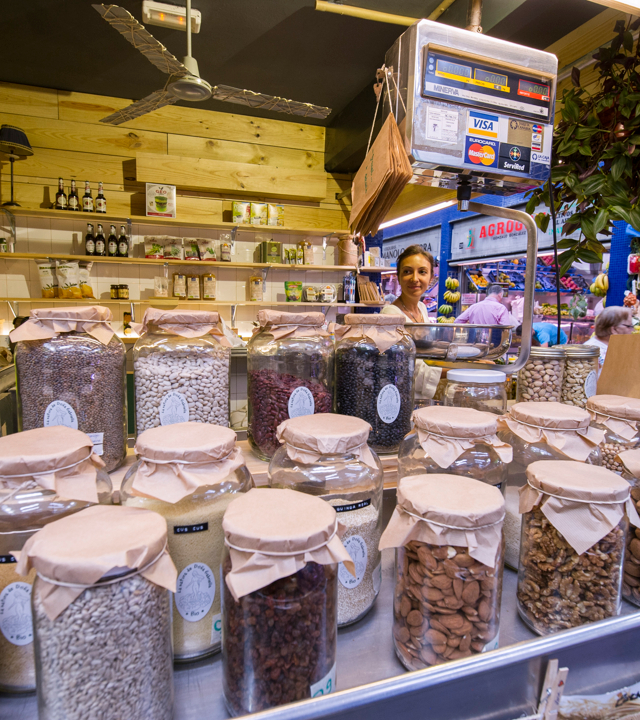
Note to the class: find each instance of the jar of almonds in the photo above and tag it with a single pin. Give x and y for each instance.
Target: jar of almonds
(630, 460)
(447, 531)
(618, 417)
(580, 374)
(541, 378)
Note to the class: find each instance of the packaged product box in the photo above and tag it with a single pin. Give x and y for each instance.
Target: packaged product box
(241, 212)
(275, 215)
(207, 249)
(84, 277)
(258, 213)
(293, 290)
(161, 200)
(173, 249)
(208, 287)
(191, 249)
(68, 274)
(270, 251)
(153, 247)
(48, 279)
(193, 287)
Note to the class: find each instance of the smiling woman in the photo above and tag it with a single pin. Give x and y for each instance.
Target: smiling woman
(415, 271)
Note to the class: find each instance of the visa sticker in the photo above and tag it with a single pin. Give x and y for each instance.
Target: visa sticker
(483, 125)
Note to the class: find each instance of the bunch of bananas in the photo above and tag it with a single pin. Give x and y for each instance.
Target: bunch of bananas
(443, 319)
(451, 283)
(451, 297)
(600, 285)
(445, 309)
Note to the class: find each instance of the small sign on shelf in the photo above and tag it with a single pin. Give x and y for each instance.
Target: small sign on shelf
(161, 200)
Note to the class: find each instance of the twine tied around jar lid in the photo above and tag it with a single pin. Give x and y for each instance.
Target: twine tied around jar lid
(55, 458)
(384, 331)
(442, 509)
(75, 552)
(185, 323)
(176, 460)
(46, 323)
(309, 436)
(273, 533)
(582, 502)
(563, 427)
(444, 433)
(288, 324)
(619, 414)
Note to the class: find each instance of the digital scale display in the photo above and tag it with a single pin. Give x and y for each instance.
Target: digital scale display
(530, 89)
(446, 68)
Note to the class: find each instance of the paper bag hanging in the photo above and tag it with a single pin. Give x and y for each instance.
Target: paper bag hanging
(620, 370)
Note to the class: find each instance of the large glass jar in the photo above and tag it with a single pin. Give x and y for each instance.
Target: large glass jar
(103, 651)
(181, 369)
(480, 389)
(630, 461)
(189, 473)
(459, 441)
(574, 576)
(375, 361)
(580, 374)
(618, 418)
(327, 456)
(280, 596)
(447, 533)
(290, 373)
(542, 431)
(540, 380)
(28, 461)
(70, 369)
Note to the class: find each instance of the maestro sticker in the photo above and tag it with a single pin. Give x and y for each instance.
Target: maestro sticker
(481, 152)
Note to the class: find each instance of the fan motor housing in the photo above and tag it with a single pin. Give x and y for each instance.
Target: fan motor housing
(191, 88)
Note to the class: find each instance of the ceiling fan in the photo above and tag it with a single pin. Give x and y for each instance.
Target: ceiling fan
(184, 81)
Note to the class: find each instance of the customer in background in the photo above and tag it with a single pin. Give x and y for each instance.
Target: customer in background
(544, 334)
(490, 311)
(415, 272)
(614, 320)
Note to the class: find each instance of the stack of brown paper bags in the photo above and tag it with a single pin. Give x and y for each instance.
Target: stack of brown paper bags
(381, 178)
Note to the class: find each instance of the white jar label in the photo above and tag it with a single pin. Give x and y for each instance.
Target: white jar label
(195, 591)
(60, 413)
(590, 384)
(357, 549)
(389, 403)
(216, 629)
(301, 402)
(15, 613)
(174, 408)
(98, 442)
(326, 685)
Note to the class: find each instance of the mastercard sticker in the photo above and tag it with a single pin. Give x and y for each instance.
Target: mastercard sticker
(482, 153)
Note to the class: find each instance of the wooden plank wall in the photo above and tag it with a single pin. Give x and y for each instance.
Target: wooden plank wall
(69, 141)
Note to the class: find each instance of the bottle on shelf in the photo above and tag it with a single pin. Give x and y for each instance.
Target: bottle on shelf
(101, 245)
(61, 196)
(112, 243)
(74, 200)
(101, 200)
(89, 241)
(87, 198)
(123, 243)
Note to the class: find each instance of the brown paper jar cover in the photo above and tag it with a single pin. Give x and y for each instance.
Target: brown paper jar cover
(45, 323)
(55, 458)
(273, 533)
(384, 331)
(442, 509)
(309, 436)
(619, 414)
(583, 502)
(185, 323)
(376, 319)
(176, 460)
(82, 548)
(631, 461)
(283, 324)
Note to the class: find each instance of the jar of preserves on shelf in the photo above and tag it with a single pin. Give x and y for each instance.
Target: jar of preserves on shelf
(375, 361)
(457, 441)
(447, 531)
(540, 380)
(71, 370)
(618, 418)
(189, 473)
(181, 369)
(45, 474)
(327, 455)
(479, 389)
(279, 606)
(630, 461)
(102, 615)
(542, 431)
(574, 530)
(289, 373)
(580, 374)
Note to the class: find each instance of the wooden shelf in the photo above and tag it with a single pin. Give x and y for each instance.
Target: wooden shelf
(173, 302)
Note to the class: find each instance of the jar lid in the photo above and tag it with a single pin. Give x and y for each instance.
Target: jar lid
(276, 317)
(455, 422)
(587, 351)
(377, 319)
(481, 377)
(631, 461)
(547, 353)
(45, 323)
(189, 441)
(185, 323)
(574, 480)
(550, 415)
(615, 405)
(325, 433)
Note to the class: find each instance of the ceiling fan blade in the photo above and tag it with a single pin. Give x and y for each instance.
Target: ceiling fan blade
(268, 102)
(155, 52)
(152, 102)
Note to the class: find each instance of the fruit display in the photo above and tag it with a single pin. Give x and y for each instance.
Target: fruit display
(452, 283)
(451, 297)
(630, 300)
(445, 309)
(477, 282)
(600, 285)
(549, 309)
(568, 284)
(443, 319)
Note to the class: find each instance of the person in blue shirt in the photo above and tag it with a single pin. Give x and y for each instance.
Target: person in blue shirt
(545, 334)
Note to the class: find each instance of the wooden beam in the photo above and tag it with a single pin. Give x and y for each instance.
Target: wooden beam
(27, 100)
(417, 197)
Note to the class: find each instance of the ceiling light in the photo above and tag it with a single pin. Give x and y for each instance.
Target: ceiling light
(626, 6)
(171, 16)
(419, 213)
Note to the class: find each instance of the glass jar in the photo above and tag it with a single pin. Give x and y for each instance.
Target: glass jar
(289, 373)
(458, 442)
(327, 456)
(580, 374)
(540, 380)
(570, 578)
(194, 519)
(181, 369)
(375, 361)
(618, 418)
(630, 460)
(447, 595)
(75, 378)
(480, 389)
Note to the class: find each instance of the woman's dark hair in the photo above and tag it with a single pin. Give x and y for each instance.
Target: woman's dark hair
(414, 250)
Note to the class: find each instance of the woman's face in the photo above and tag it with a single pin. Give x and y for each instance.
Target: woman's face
(415, 276)
(623, 328)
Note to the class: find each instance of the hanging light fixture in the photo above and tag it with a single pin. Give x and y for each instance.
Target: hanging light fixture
(15, 144)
